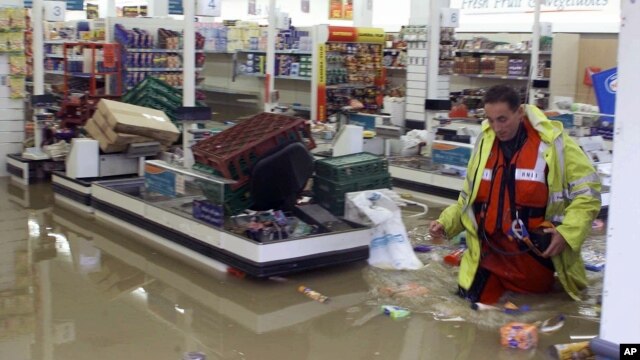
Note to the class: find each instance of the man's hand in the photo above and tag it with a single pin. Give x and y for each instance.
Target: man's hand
(436, 230)
(557, 245)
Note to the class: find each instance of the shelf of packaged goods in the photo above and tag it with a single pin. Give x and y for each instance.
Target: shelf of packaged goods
(152, 69)
(286, 77)
(350, 86)
(292, 52)
(395, 67)
(61, 56)
(394, 50)
(198, 87)
(505, 52)
(81, 75)
(58, 42)
(137, 50)
(503, 77)
(71, 41)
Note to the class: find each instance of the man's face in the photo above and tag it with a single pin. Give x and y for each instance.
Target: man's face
(503, 120)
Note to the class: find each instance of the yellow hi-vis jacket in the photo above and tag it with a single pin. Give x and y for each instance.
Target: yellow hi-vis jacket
(574, 200)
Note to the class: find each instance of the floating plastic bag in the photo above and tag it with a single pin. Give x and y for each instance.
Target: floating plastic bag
(390, 247)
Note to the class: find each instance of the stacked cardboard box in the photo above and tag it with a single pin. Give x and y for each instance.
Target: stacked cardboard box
(116, 125)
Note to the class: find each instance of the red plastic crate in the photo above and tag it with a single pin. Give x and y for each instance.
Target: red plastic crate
(233, 151)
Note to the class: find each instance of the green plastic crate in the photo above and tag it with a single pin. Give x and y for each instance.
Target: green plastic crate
(348, 167)
(363, 183)
(330, 194)
(334, 204)
(234, 202)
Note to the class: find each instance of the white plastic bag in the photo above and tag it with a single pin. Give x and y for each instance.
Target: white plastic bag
(390, 247)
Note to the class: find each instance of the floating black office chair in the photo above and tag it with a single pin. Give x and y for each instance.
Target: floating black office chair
(279, 176)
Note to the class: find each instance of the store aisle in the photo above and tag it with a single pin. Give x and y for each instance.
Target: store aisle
(72, 288)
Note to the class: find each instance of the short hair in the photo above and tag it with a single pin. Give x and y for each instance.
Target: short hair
(503, 93)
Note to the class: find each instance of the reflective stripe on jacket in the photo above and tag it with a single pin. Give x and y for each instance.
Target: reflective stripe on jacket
(574, 200)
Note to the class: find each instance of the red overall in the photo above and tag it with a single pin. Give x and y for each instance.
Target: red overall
(504, 264)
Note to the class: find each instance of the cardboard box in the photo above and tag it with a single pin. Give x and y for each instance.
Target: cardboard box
(137, 120)
(114, 137)
(109, 140)
(451, 153)
(95, 132)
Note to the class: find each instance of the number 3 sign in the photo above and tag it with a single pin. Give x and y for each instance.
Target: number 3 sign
(54, 10)
(208, 7)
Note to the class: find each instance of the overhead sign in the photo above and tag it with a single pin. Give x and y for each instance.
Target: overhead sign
(54, 10)
(208, 8)
(341, 9)
(71, 4)
(517, 15)
(252, 9)
(77, 5)
(175, 7)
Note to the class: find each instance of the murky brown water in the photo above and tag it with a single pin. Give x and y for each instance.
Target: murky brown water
(71, 288)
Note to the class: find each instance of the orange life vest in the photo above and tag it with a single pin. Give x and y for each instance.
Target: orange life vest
(528, 182)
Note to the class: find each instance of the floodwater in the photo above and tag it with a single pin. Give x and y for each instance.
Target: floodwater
(72, 288)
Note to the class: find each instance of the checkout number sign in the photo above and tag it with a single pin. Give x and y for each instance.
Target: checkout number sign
(208, 8)
(54, 10)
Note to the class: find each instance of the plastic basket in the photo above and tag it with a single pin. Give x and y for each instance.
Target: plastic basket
(234, 151)
(330, 194)
(235, 201)
(364, 183)
(348, 167)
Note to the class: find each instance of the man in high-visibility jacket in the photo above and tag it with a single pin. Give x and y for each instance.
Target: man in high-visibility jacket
(527, 204)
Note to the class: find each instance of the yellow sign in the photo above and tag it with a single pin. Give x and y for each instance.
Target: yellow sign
(371, 35)
(322, 66)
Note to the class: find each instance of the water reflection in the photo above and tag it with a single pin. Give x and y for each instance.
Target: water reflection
(89, 291)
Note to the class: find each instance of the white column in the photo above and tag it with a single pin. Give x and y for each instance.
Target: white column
(189, 54)
(362, 13)
(621, 293)
(38, 48)
(271, 54)
(157, 8)
(535, 51)
(106, 8)
(434, 49)
(188, 74)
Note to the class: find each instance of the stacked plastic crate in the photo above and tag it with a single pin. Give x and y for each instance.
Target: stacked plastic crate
(343, 174)
(232, 153)
(156, 94)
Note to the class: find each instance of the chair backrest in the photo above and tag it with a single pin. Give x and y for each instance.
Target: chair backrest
(279, 176)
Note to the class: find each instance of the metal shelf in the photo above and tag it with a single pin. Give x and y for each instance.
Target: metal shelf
(159, 50)
(151, 69)
(503, 77)
(395, 67)
(286, 77)
(61, 56)
(78, 74)
(506, 52)
(292, 52)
